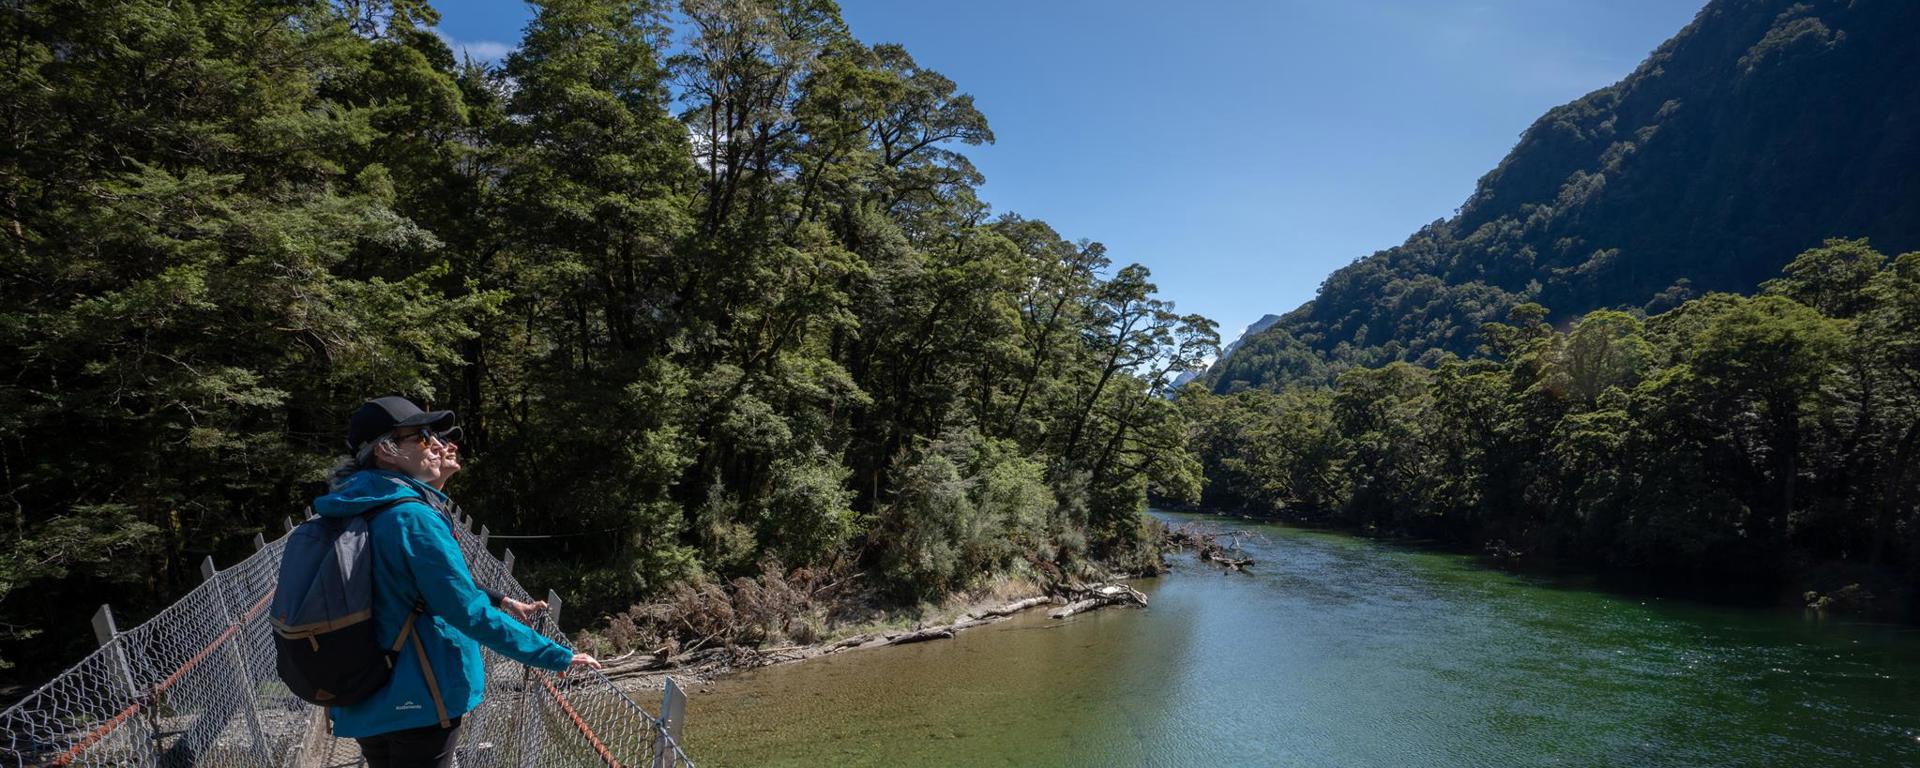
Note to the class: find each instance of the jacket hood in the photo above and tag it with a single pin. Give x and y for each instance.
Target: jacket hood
(371, 488)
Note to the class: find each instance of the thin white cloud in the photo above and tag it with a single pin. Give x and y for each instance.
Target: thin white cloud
(478, 50)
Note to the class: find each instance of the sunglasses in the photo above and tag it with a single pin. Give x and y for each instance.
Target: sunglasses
(426, 437)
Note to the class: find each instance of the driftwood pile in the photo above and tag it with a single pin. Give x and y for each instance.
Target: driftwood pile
(1207, 547)
(1501, 554)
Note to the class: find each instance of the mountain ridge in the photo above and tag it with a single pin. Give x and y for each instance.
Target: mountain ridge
(1266, 321)
(1759, 130)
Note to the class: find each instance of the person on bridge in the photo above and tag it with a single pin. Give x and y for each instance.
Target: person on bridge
(401, 458)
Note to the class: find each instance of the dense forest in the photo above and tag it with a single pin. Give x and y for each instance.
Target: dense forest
(1754, 444)
(1570, 372)
(1759, 131)
(708, 283)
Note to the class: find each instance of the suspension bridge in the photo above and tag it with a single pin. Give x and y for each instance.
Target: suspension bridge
(195, 686)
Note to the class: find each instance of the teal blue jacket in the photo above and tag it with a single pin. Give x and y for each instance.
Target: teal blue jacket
(415, 559)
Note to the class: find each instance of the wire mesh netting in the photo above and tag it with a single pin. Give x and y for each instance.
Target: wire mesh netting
(196, 686)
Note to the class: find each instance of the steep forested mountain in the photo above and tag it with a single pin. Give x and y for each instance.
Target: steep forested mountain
(1761, 129)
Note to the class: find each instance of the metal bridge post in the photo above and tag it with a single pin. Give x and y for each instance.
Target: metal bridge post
(107, 634)
(666, 737)
(104, 632)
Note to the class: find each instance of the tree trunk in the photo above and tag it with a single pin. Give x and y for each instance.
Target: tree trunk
(1100, 597)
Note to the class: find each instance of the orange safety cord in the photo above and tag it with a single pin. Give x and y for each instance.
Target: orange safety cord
(581, 724)
(120, 719)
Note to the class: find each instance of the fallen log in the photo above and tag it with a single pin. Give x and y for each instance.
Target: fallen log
(696, 657)
(1100, 597)
(1120, 592)
(1207, 548)
(849, 642)
(633, 665)
(646, 663)
(1010, 608)
(921, 636)
(970, 623)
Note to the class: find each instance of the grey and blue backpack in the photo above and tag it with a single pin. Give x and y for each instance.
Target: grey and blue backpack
(322, 613)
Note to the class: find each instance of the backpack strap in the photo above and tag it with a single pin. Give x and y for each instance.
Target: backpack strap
(382, 507)
(426, 668)
(418, 606)
(433, 685)
(407, 630)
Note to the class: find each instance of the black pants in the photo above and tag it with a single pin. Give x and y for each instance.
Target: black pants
(429, 747)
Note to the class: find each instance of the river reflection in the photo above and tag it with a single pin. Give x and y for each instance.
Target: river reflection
(1338, 651)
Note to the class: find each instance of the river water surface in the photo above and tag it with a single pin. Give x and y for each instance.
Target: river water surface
(1339, 651)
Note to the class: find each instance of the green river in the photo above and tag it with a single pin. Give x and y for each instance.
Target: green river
(1339, 651)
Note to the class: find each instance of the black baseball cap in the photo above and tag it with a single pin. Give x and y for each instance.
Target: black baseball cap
(378, 416)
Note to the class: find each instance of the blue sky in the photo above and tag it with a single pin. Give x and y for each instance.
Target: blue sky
(1241, 149)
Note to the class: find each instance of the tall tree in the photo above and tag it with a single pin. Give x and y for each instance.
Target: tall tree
(189, 303)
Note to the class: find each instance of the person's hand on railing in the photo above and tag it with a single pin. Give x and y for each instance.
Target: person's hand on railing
(581, 661)
(522, 611)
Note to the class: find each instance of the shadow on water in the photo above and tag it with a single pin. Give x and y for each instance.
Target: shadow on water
(1625, 584)
(1341, 651)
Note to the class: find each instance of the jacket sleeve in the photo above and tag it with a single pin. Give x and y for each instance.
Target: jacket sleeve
(440, 573)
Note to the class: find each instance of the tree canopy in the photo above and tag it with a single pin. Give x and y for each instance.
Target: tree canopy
(710, 284)
(1761, 442)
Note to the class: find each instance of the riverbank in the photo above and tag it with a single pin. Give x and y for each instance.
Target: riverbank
(1004, 599)
(811, 628)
